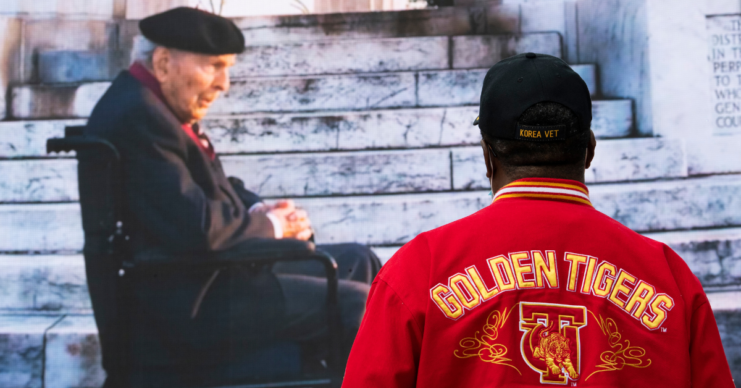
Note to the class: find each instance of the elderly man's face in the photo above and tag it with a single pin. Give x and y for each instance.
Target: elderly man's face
(190, 81)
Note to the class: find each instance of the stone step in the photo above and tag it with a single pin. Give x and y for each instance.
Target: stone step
(27, 139)
(713, 255)
(710, 202)
(73, 355)
(285, 94)
(367, 172)
(68, 66)
(372, 25)
(323, 57)
(22, 350)
(54, 353)
(389, 55)
(56, 284)
(463, 87)
(337, 131)
(714, 155)
(55, 101)
(614, 161)
(474, 18)
(294, 175)
(43, 284)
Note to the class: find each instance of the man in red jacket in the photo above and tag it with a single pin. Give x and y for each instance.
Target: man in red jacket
(538, 288)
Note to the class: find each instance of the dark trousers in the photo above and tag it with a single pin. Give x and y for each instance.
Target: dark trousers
(304, 288)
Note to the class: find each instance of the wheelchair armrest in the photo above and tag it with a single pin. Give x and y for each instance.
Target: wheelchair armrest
(253, 251)
(264, 250)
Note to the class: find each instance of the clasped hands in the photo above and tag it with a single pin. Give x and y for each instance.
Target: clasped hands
(293, 221)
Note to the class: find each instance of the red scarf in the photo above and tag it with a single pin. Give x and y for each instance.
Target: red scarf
(147, 79)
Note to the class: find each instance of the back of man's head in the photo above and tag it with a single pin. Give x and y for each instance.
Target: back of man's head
(535, 117)
(521, 158)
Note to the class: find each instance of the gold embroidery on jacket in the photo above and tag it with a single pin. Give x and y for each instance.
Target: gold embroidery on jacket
(482, 344)
(622, 354)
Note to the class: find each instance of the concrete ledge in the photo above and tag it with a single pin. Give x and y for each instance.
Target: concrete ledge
(369, 172)
(343, 57)
(22, 139)
(55, 101)
(398, 128)
(714, 155)
(73, 357)
(684, 204)
(43, 284)
(39, 181)
(378, 129)
(57, 284)
(437, 22)
(61, 66)
(395, 219)
(389, 55)
(373, 172)
(615, 160)
(463, 87)
(61, 223)
(469, 52)
(317, 93)
(713, 255)
(293, 175)
(22, 350)
(296, 94)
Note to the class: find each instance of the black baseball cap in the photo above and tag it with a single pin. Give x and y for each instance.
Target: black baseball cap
(515, 84)
(193, 30)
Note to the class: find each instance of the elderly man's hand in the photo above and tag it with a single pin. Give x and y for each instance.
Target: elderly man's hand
(294, 221)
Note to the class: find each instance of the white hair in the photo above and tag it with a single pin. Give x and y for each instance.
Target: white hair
(143, 51)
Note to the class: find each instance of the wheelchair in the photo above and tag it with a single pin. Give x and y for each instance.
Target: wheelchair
(112, 271)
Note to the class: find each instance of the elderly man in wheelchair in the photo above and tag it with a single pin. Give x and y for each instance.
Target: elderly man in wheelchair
(194, 280)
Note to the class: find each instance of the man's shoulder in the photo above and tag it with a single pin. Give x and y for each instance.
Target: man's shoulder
(125, 103)
(126, 97)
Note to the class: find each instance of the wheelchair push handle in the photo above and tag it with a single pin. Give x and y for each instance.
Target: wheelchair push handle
(81, 143)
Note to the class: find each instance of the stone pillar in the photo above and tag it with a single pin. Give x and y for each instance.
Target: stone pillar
(655, 53)
(678, 71)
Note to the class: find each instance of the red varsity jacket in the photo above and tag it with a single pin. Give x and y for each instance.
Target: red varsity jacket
(537, 289)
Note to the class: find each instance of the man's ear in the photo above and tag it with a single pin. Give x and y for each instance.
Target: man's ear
(487, 158)
(161, 58)
(590, 149)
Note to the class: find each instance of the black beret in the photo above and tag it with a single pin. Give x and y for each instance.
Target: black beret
(191, 29)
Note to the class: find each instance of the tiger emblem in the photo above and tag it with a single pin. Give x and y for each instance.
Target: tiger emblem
(550, 344)
(553, 348)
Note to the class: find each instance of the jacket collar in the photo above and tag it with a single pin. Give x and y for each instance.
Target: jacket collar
(146, 78)
(564, 190)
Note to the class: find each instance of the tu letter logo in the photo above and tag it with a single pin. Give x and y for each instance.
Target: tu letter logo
(550, 345)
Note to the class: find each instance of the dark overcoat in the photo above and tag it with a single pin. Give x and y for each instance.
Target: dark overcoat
(177, 200)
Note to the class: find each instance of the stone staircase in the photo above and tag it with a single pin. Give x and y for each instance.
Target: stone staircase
(370, 130)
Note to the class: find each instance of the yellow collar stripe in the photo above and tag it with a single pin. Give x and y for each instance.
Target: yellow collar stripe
(548, 184)
(544, 196)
